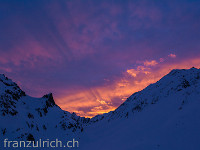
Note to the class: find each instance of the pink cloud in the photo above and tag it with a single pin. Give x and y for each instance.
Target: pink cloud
(5, 69)
(172, 55)
(141, 11)
(162, 60)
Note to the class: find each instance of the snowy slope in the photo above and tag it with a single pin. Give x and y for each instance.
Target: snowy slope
(164, 116)
(177, 81)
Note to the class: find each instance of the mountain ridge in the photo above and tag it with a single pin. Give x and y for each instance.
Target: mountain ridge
(9, 82)
(23, 116)
(174, 75)
(165, 115)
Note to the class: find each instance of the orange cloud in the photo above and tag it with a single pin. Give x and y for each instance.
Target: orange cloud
(102, 99)
(132, 72)
(150, 63)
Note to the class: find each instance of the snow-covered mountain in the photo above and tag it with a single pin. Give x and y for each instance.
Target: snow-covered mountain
(26, 118)
(183, 81)
(165, 116)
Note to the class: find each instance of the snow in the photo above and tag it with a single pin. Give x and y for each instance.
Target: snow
(159, 126)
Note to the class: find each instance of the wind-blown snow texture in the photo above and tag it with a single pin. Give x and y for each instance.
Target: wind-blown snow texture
(164, 116)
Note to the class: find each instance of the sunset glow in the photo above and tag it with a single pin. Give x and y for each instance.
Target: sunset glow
(92, 55)
(106, 98)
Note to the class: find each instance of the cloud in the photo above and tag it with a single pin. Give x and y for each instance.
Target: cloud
(132, 72)
(172, 55)
(150, 63)
(161, 59)
(94, 54)
(6, 69)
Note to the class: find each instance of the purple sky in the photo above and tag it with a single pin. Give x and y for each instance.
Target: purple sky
(93, 54)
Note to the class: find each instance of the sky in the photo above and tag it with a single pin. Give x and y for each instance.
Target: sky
(92, 55)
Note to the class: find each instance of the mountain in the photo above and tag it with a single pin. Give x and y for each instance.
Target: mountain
(165, 115)
(26, 118)
(176, 82)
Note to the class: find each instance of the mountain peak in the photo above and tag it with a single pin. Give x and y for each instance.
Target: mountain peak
(6, 80)
(191, 70)
(180, 76)
(50, 99)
